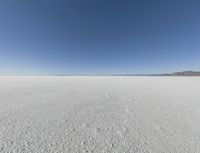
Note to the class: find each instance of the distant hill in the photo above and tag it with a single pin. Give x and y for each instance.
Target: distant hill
(183, 73)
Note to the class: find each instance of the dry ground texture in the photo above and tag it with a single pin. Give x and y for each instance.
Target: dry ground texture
(99, 114)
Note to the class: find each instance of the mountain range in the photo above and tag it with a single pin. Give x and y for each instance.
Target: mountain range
(183, 73)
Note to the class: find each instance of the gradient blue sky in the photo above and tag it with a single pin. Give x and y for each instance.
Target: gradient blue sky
(47, 37)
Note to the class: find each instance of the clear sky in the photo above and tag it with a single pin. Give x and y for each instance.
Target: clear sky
(47, 37)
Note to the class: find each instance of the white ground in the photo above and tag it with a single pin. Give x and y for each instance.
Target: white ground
(100, 114)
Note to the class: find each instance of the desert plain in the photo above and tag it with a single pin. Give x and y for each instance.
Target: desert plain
(99, 114)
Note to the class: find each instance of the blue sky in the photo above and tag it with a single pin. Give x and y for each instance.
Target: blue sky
(50, 37)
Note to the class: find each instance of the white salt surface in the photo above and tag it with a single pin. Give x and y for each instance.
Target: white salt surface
(100, 114)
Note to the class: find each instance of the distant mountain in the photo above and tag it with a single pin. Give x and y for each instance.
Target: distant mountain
(183, 73)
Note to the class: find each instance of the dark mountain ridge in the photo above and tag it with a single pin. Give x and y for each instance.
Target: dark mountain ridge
(183, 73)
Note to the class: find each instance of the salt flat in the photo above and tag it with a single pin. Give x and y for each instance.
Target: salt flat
(99, 114)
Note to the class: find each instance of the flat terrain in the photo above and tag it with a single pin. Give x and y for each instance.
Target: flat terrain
(100, 114)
